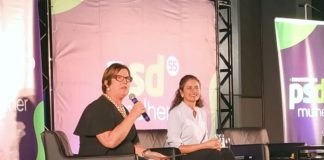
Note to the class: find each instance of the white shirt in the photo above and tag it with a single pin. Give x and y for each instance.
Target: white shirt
(184, 129)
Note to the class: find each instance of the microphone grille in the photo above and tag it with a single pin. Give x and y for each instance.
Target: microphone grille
(131, 96)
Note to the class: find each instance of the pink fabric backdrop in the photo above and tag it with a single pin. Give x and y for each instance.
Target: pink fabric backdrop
(159, 40)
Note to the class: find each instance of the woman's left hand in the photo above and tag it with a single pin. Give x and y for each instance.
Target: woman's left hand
(150, 155)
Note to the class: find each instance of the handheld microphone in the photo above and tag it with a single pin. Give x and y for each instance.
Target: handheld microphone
(134, 100)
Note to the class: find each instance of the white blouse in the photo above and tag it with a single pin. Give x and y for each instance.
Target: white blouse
(184, 129)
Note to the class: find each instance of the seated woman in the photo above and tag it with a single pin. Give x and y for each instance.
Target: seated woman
(187, 124)
(106, 127)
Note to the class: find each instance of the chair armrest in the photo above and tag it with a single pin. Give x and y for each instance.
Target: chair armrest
(283, 150)
(249, 151)
(115, 157)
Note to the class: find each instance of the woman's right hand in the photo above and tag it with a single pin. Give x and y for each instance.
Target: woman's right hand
(137, 109)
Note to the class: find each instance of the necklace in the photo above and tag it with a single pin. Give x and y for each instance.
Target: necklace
(120, 108)
(194, 113)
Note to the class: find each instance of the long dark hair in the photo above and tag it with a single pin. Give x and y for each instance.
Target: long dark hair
(178, 99)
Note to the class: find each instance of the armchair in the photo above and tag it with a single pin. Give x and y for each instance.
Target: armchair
(155, 140)
(57, 147)
(248, 143)
(253, 143)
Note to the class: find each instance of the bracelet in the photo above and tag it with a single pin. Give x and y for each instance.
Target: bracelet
(145, 152)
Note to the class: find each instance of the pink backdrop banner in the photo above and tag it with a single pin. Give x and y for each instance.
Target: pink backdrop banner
(159, 40)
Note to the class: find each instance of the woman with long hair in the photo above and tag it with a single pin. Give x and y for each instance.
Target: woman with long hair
(187, 124)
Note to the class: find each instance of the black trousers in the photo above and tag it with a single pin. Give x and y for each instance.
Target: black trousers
(210, 154)
(207, 154)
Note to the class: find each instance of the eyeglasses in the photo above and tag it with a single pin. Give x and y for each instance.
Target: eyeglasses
(121, 78)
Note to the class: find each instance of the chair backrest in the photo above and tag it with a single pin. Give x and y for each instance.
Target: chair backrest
(155, 140)
(247, 135)
(249, 139)
(64, 143)
(152, 138)
(56, 145)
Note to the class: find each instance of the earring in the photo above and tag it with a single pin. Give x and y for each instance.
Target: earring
(108, 89)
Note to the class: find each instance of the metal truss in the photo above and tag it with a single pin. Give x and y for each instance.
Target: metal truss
(45, 34)
(225, 59)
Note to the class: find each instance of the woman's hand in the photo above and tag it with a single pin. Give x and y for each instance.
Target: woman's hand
(137, 109)
(150, 155)
(214, 144)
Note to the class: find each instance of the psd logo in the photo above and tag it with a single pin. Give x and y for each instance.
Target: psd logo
(305, 90)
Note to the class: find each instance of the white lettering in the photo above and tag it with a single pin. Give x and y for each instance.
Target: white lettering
(155, 112)
(312, 112)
